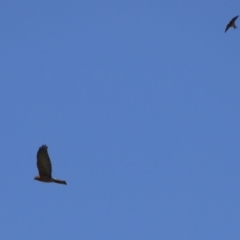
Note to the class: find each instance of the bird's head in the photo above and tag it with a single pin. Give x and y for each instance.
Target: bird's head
(37, 178)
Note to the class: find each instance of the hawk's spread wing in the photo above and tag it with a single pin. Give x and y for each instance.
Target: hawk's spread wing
(43, 162)
(228, 26)
(234, 19)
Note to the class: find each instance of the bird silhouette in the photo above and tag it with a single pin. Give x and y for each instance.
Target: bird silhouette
(45, 167)
(231, 23)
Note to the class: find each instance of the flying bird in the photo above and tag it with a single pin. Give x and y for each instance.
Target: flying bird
(45, 167)
(231, 23)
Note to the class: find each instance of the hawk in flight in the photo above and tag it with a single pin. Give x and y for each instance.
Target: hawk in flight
(45, 167)
(231, 23)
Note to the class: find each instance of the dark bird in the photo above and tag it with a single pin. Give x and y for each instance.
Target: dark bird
(231, 23)
(45, 167)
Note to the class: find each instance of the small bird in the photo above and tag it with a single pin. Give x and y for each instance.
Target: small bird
(45, 167)
(231, 23)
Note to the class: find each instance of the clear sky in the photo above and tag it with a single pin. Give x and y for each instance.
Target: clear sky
(139, 104)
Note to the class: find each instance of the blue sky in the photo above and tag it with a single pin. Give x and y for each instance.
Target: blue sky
(138, 102)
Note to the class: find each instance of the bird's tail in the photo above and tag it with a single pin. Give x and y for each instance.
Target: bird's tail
(234, 26)
(60, 181)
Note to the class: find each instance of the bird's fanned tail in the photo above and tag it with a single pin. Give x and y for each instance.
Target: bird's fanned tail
(60, 181)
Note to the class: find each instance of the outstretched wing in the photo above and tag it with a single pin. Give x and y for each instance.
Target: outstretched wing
(43, 162)
(234, 19)
(228, 26)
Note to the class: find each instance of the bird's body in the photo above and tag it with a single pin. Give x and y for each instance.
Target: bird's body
(231, 23)
(45, 167)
